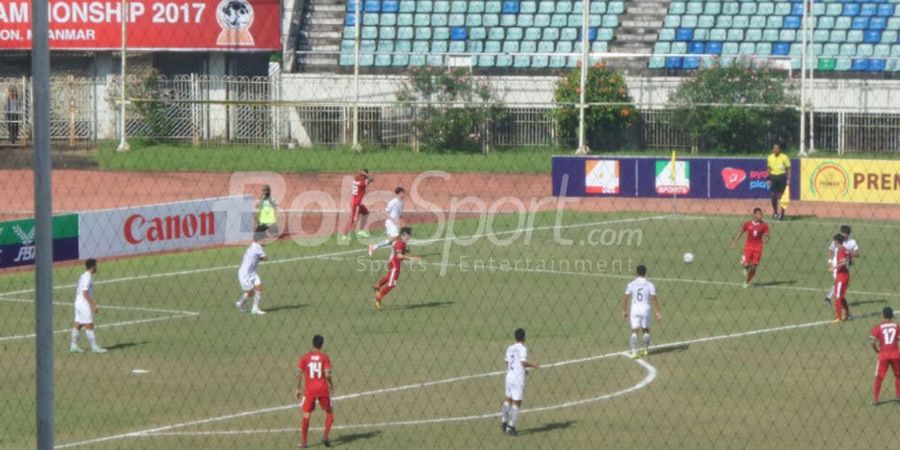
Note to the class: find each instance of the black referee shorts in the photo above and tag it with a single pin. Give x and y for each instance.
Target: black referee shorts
(779, 183)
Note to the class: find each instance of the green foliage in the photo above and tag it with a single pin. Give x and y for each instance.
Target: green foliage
(149, 99)
(453, 111)
(754, 107)
(608, 125)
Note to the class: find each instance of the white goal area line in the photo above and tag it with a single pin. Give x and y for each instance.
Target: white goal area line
(165, 430)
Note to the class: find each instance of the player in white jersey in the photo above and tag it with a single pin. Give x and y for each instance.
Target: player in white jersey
(251, 284)
(852, 248)
(516, 363)
(394, 221)
(640, 297)
(85, 307)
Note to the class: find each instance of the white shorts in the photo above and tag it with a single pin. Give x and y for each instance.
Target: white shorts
(391, 228)
(515, 391)
(640, 319)
(249, 281)
(83, 313)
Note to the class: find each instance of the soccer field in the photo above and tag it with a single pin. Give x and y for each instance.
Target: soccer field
(731, 367)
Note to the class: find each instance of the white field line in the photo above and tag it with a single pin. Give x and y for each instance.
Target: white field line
(648, 378)
(348, 252)
(105, 326)
(157, 430)
(124, 308)
(821, 290)
(866, 223)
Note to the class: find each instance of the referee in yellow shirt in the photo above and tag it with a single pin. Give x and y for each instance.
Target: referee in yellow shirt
(779, 166)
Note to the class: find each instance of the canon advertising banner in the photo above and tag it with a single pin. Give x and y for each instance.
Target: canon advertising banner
(179, 25)
(164, 227)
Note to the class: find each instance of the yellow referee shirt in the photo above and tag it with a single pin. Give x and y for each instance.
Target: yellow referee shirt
(778, 165)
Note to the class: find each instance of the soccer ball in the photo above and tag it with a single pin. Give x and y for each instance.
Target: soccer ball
(688, 258)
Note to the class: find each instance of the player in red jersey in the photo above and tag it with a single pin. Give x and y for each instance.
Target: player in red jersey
(756, 230)
(315, 369)
(884, 341)
(840, 267)
(357, 209)
(398, 255)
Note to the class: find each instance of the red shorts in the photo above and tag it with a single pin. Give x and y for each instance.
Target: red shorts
(309, 403)
(751, 256)
(839, 290)
(883, 364)
(393, 275)
(357, 209)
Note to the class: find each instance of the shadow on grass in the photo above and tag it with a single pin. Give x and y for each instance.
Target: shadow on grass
(553, 426)
(350, 438)
(866, 302)
(669, 349)
(790, 218)
(124, 345)
(284, 307)
(776, 283)
(429, 305)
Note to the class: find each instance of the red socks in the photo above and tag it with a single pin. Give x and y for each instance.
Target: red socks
(329, 419)
(304, 430)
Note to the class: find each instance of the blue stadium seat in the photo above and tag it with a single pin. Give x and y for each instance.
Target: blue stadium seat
(510, 7)
(781, 48)
(350, 20)
(690, 62)
(684, 34)
(872, 37)
(372, 6)
(868, 9)
(714, 47)
(860, 23)
(886, 10)
(696, 48)
(791, 22)
(390, 6)
(860, 65)
(459, 34)
(351, 6)
(850, 9)
(673, 62)
(877, 23)
(797, 9)
(877, 65)
(592, 34)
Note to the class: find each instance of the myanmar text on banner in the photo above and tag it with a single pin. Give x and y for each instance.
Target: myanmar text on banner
(182, 25)
(165, 227)
(850, 180)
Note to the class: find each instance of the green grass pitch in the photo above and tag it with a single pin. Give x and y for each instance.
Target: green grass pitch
(748, 368)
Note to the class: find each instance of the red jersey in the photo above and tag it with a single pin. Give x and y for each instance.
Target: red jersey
(313, 365)
(841, 253)
(398, 249)
(358, 188)
(886, 334)
(755, 232)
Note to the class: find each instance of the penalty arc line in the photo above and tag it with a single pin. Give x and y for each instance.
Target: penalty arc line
(348, 252)
(648, 378)
(156, 430)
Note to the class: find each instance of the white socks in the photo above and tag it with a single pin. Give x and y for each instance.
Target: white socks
(383, 244)
(513, 415)
(257, 297)
(243, 300)
(91, 339)
(505, 413)
(647, 341)
(634, 342)
(73, 340)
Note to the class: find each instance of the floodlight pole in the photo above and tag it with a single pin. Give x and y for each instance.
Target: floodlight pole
(812, 76)
(585, 42)
(803, 66)
(123, 142)
(43, 224)
(356, 26)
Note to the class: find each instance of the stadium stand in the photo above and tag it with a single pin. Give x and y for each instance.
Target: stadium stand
(488, 34)
(848, 35)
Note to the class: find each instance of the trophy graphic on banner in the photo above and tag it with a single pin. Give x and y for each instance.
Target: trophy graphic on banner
(235, 18)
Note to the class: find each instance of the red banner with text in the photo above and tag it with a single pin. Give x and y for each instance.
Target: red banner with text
(232, 25)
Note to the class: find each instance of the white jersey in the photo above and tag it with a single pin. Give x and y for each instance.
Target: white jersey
(252, 256)
(394, 209)
(850, 245)
(85, 283)
(640, 290)
(515, 355)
